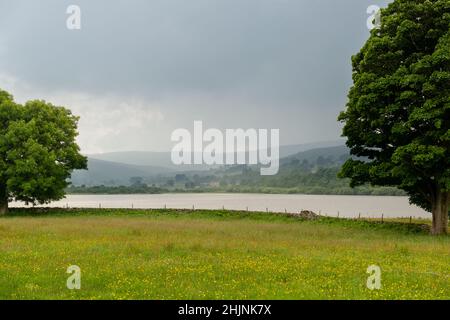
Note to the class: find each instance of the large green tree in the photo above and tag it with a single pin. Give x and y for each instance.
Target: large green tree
(398, 113)
(37, 151)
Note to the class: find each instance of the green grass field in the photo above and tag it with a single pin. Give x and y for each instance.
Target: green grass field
(166, 254)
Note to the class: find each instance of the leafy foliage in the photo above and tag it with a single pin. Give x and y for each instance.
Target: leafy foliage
(398, 113)
(37, 150)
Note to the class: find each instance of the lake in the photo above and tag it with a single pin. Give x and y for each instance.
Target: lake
(347, 206)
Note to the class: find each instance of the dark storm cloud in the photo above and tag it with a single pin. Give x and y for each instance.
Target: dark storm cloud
(280, 63)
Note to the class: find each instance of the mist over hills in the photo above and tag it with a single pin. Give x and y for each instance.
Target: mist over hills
(312, 171)
(117, 168)
(163, 159)
(327, 156)
(113, 173)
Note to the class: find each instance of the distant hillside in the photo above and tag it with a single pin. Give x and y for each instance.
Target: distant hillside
(114, 169)
(145, 158)
(330, 156)
(163, 159)
(113, 173)
(308, 172)
(136, 158)
(292, 150)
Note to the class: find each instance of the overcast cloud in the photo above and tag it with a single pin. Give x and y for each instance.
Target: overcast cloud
(138, 69)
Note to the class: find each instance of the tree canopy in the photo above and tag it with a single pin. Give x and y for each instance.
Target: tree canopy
(38, 151)
(398, 110)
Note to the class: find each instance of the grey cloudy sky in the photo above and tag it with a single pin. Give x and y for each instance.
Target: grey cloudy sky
(138, 69)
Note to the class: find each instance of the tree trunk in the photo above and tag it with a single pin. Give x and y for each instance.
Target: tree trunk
(3, 208)
(440, 213)
(3, 201)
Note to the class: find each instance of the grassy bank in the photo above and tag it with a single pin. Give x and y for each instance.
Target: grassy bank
(155, 254)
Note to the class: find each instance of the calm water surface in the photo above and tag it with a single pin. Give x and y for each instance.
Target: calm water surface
(347, 206)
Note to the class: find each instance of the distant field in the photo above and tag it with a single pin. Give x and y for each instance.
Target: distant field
(166, 254)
